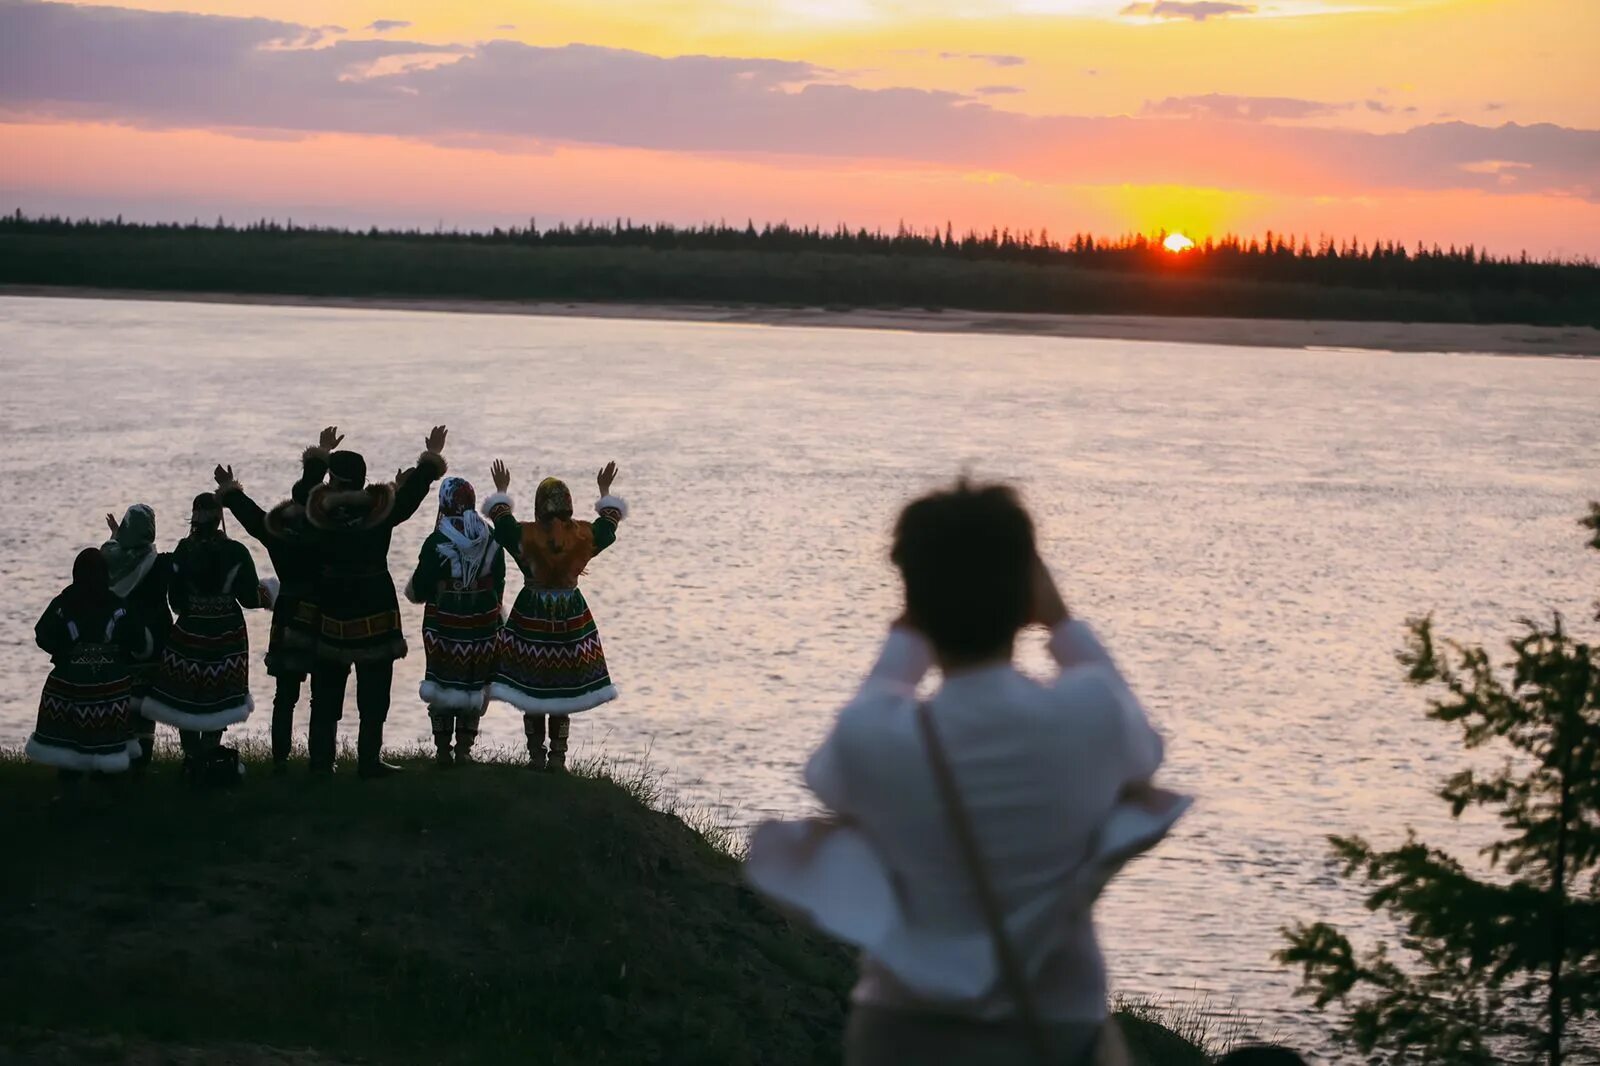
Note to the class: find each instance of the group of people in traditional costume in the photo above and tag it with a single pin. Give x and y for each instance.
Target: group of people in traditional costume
(143, 637)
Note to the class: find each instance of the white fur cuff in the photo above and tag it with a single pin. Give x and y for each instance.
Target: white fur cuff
(496, 502)
(612, 503)
(315, 454)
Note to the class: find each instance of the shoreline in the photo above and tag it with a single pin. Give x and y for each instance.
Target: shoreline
(1438, 337)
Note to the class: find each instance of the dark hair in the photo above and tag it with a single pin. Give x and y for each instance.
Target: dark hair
(1262, 1055)
(967, 556)
(91, 579)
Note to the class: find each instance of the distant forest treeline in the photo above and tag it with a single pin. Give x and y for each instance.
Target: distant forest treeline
(1274, 276)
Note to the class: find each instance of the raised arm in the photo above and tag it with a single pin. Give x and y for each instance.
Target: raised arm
(500, 511)
(1075, 649)
(611, 510)
(411, 487)
(314, 464)
(903, 661)
(235, 499)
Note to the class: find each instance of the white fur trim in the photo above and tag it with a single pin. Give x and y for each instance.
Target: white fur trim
(67, 759)
(570, 705)
(272, 586)
(452, 699)
(157, 711)
(609, 501)
(497, 500)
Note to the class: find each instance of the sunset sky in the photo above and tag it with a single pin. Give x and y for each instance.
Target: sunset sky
(1436, 120)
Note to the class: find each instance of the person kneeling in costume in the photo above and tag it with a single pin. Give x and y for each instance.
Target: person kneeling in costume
(551, 662)
(461, 577)
(85, 722)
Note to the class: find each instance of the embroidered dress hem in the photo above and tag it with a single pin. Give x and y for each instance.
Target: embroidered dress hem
(461, 639)
(559, 705)
(209, 722)
(551, 659)
(51, 753)
(446, 697)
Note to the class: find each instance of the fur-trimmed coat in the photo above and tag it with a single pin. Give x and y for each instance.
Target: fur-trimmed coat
(353, 528)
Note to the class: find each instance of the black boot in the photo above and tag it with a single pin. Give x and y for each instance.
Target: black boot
(323, 743)
(369, 751)
(560, 729)
(533, 729)
(466, 736)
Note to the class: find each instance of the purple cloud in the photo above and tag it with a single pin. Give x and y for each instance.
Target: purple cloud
(998, 90)
(1194, 10)
(164, 69)
(386, 25)
(990, 58)
(1240, 108)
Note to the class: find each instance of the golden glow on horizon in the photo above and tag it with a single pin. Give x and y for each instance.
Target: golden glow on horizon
(1176, 243)
(1491, 62)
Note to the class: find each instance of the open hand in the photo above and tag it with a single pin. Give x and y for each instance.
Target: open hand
(111, 520)
(223, 474)
(435, 441)
(501, 475)
(607, 475)
(331, 438)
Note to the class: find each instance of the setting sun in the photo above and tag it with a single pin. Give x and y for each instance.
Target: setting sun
(1177, 242)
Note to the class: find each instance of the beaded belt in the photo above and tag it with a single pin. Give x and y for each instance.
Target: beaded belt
(374, 625)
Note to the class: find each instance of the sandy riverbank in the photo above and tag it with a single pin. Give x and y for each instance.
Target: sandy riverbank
(1253, 332)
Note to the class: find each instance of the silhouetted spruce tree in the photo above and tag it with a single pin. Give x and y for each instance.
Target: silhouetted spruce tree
(1501, 965)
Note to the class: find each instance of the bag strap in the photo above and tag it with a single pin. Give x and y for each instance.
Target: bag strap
(1011, 970)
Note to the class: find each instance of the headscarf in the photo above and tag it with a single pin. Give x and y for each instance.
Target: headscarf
(131, 551)
(553, 500)
(467, 537)
(91, 579)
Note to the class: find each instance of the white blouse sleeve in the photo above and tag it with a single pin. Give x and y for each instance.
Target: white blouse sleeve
(904, 661)
(1074, 645)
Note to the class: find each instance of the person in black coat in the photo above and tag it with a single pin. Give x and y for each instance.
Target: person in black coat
(360, 623)
(296, 618)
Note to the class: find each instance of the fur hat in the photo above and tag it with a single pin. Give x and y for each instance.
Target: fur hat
(348, 467)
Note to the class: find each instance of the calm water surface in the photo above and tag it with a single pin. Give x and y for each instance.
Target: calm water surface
(1248, 529)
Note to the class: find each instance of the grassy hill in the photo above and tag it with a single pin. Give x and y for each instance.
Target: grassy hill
(478, 915)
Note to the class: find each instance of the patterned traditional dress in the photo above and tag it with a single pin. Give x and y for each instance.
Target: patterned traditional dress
(204, 680)
(551, 659)
(461, 577)
(85, 719)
